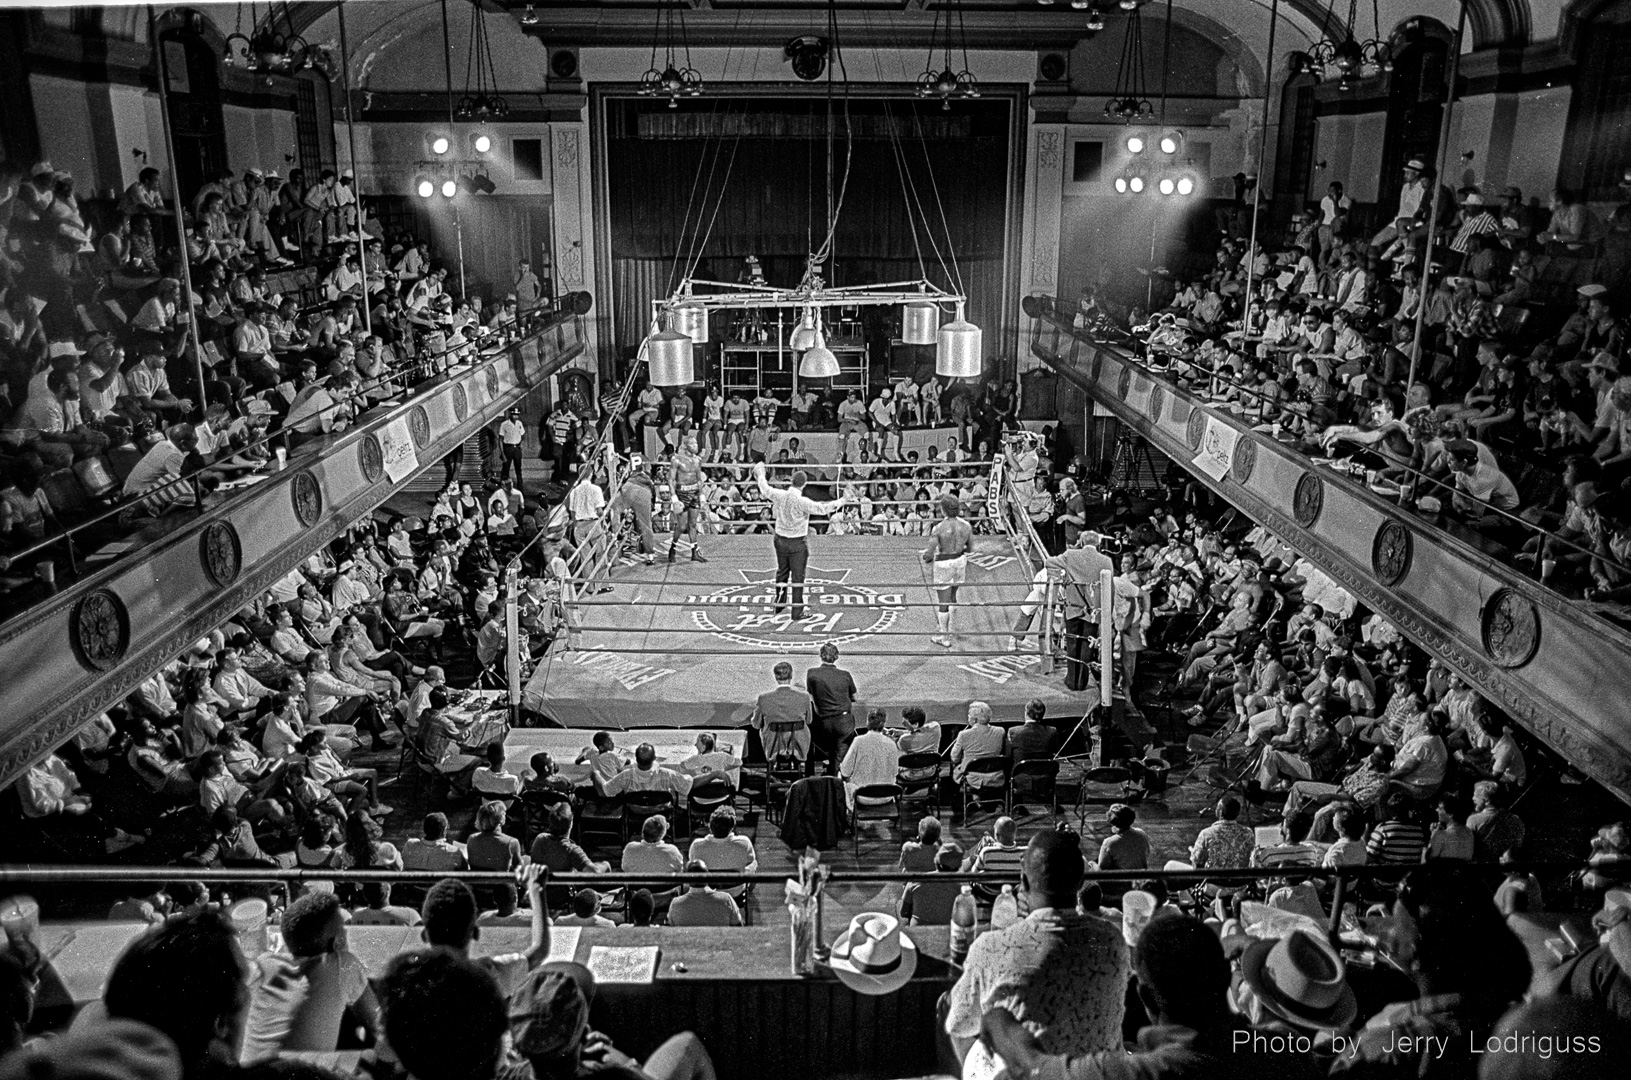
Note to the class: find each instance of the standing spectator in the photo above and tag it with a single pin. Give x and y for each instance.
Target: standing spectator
(832, 694)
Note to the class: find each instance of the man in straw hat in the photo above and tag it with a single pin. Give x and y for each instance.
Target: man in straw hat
(1064, 974)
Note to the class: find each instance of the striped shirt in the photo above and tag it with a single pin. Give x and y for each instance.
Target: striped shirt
(1396, 843)
(999, 860)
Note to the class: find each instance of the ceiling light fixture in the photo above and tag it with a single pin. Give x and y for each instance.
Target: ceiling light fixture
(671, 81)
(480, 101)
(1348, 55)
(948, 82)
(1130, 101)
(266, 49)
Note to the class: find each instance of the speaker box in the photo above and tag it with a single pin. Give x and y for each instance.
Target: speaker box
(564, 75)
(1052, 72)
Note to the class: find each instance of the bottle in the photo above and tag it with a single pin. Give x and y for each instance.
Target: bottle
(1005, 909)
(965, 916)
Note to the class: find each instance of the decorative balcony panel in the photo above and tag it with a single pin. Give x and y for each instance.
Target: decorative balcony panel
(87, 648)
(1561, 671)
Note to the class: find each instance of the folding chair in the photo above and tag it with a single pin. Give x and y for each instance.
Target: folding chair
(703, 800)
(643, 804)
(780, 776)
(884, 807)
(924, 791)
(535, 807)
(978, 795)
(1104, 786)
(601, 816)
(1034, 781)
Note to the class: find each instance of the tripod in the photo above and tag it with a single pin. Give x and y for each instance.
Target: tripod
(1133, 468)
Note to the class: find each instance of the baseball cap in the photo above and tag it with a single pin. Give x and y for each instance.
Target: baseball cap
(1415, 163)
(549, 1013)
(1593, 289)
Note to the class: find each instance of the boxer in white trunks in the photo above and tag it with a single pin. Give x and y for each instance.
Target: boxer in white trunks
(947, 555)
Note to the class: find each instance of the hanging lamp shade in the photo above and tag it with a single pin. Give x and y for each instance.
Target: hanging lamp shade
(804, 334)
(668, 359)
(919, 324)
(957, 348)
(692, 321)
(819, 361)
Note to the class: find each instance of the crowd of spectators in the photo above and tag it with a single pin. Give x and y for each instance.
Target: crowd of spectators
(117, 390)
(1511, 420)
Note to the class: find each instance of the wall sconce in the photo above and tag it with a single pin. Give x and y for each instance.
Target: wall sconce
(1320, 164)
(1466, 157)
(139, 155)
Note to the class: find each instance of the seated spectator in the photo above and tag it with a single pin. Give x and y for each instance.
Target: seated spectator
(554, 849)
(652, 853)
(701, 905)
(1468, 968)
(1450, 837)
(724, 849)
(1349, 847)
(929, 902)
(1495, 827)
(1064, 974)
(1226, 843)
(872, 759)
(1033, 739)
(434, 851)
(450, 914)
(488, 848)
(444, 1014)
(647, 775)
(1294, 848)
(490, 780)
(186, 978)
(550, 1037)
(586, 906)
(298, 996)
(999, 852)
(1397, 839)
(920, 854)
(377, 909)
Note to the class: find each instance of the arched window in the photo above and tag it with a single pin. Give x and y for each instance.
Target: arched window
(1597, 141)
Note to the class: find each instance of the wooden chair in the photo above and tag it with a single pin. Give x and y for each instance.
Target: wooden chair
(885, 806)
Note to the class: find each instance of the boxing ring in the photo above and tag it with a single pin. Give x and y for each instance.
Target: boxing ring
(693, 644)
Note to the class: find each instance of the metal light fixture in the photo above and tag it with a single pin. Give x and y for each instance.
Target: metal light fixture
(1135, 144)
(692, 321)
(957, 348)
(450, 188)
(1186, 185)
(804, 334)
(818, 361)
(1095, 21)
(1350, 56)
(531, 16)
(948, 82)
(671, 81)
(424, 186)
(480, 101)
(919, 324)
(669, 359)
(1130, 101)
(1171, 142)
(267, 50)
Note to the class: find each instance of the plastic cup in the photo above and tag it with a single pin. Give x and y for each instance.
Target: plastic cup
(282, 457)
(1136, 908)
(20, 917)
(248, 918)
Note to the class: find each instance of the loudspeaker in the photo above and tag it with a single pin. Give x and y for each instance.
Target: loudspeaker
(1052, 73)
(564, 75)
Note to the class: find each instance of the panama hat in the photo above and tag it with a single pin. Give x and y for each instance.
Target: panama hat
(1300, 979)
(873, 956)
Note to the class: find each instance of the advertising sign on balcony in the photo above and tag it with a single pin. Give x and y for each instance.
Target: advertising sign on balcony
(1217, 448)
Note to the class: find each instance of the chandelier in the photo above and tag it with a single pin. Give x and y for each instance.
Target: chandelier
(671, 80)
(948, 82)
(484, 103)
(1130, 101)
(1350, 56)
(267, 50)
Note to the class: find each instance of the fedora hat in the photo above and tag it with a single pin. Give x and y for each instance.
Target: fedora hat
(1299, 978)
(873, 956)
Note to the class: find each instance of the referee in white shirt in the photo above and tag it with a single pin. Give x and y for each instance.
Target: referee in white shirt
(793, 512)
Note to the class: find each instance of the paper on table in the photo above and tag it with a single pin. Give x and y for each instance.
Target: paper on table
(624, 964)
(563, 943)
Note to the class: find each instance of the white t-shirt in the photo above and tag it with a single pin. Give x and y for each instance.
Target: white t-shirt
(291, 1009)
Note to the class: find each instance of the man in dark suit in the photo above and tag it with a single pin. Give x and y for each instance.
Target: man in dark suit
(832, 690)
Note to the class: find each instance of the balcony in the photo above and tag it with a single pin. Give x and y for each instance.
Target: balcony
(73, 654)
(1556, 666)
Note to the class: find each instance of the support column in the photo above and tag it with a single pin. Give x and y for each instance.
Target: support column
(1044, 197)
(572, 223)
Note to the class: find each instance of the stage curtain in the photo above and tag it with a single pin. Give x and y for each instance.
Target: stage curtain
(776, 194)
